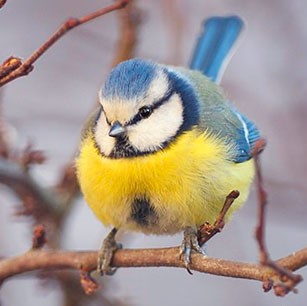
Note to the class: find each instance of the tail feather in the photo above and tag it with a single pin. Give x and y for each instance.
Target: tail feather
(212, 51)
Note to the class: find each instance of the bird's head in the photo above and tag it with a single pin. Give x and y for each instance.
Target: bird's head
(144, 107)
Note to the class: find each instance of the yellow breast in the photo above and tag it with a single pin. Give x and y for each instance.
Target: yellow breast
(185, 184)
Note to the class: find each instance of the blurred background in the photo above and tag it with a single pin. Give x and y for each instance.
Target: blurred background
(266, 80)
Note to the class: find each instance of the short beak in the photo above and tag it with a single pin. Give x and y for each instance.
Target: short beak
(117, 130)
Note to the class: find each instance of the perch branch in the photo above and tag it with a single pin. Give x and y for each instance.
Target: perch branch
(13, 68)
(166, 257)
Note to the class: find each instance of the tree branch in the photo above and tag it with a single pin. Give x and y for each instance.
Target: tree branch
(2, 3)
(290, 279)
(129, 21)
(19, 69)
(50, 206)
(207, 230)
(166, 257)
(43, 200)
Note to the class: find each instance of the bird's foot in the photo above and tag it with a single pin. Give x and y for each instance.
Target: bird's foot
(189, 244)
(108, 248)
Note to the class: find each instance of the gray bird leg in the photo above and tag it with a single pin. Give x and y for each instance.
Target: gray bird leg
(189, 244)
(108, 248)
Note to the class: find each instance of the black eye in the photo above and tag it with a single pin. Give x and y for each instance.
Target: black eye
(145, 111)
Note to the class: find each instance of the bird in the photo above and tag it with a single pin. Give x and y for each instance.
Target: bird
(165, 146)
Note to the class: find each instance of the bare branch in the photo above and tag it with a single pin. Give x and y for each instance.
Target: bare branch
(166, 257)
(290, 279)
(129, 21)
(207, 231)
(22, 183)
(2, 3)
(29, 157)
(68, 186)
(9, 65)
(88, 284)
(39, 237)
(12, 72)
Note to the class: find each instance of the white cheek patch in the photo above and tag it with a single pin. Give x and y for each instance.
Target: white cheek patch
(104, 141)
(150, 134)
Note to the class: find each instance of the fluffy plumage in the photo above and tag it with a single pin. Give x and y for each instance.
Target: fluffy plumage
(165, 147)
(175, 167)
(186, 183)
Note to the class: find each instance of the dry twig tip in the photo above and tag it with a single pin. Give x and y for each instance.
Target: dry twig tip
(27, 65)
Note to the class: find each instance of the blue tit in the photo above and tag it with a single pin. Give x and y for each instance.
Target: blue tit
(165, 147)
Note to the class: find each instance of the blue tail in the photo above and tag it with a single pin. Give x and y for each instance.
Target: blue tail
(214, 45)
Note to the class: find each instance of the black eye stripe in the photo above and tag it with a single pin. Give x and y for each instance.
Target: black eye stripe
(138, 117)
(154, 106)
(161, 101)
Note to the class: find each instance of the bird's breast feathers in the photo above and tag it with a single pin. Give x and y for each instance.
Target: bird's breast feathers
(182, 185)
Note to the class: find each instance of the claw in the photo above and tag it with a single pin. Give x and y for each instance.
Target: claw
(189, 244)
(108, 248)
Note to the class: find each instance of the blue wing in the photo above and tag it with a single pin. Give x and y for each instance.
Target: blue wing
(214, 45)
(247, 135)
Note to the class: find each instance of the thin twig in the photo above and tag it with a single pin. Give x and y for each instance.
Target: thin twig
(2, 3)
(88, 284)
(4, 148)
(129, 21)
(68, 186)
(262, 200)
(264, 257)
(9, 65)
(71, 23)
(43, 200)
(207, 231)
(39, 237)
